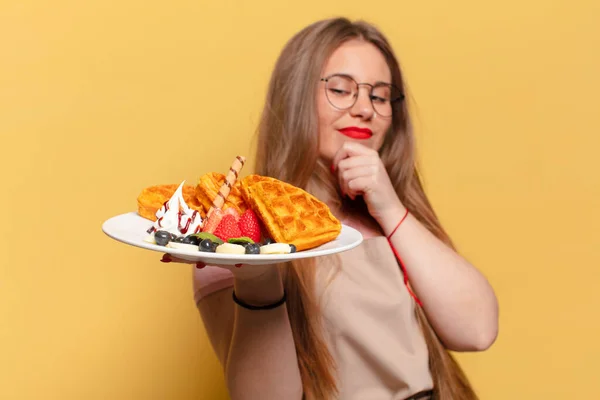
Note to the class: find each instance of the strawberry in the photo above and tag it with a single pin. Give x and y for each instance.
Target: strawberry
(234, 212)
(228, 228)
(250, 225)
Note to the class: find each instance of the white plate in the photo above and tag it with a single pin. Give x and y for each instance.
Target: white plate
(131, 229)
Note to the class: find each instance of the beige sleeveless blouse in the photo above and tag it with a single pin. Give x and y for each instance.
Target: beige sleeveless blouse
(370, 324)
(369, 321)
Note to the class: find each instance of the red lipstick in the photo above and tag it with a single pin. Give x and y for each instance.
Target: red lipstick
(356, 132)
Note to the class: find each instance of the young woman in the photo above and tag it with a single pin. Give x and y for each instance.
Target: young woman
(348, 326)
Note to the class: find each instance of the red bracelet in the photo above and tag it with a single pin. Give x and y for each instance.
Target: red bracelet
(399, 223)
(400, 260)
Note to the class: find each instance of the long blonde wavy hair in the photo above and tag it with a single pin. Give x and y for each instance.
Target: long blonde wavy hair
(287, 149)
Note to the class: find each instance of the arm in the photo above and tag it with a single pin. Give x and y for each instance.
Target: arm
(256, 348)
(457, 298)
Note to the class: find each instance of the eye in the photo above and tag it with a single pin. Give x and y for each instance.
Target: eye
(378, 99)
(339, 91)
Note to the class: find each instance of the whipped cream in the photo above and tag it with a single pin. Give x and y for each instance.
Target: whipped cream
(176, 217)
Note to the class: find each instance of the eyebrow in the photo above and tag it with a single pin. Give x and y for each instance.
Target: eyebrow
(352, 77)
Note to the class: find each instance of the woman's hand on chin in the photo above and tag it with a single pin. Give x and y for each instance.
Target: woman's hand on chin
(361, 172)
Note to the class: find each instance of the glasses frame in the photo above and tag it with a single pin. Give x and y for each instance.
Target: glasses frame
(400, 97)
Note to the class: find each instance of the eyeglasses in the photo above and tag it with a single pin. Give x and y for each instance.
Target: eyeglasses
(342, 92)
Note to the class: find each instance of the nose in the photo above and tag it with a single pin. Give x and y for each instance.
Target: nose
(363, 108)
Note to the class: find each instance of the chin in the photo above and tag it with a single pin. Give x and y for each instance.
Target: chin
(328, 152)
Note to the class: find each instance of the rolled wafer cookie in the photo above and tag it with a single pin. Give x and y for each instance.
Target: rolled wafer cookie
(232, 175)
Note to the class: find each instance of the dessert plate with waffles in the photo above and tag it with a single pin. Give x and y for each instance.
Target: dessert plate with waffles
(225, 220)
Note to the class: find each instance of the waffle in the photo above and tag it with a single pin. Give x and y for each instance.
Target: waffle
(290, 214)
(151, 199)
(208, 186)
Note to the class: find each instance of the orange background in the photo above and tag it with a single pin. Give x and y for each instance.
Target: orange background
(101, 99)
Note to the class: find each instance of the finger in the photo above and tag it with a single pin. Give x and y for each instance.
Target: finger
(354, 167)
(346, 176)
(201, 265)
(181, 260)
(350, 149)
(357, 161)
(167, 258)
(358, 172)
(360, 185)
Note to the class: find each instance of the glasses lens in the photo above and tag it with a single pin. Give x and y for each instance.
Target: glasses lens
(341, 91)
(382, 97)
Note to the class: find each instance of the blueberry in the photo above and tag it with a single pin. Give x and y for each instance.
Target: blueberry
(173, 237)
(252, 248)
(191, 240)
(292, 248)
(206, 245)
(179, 239)
(162, 238)
(268, 241)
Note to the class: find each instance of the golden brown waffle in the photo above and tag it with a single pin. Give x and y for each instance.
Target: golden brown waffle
(290, 214)
(151, 199)
(208, 186)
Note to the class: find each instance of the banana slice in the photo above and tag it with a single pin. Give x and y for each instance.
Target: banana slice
(182, 246)
(275, 248)
(230, 248)
(150, 238)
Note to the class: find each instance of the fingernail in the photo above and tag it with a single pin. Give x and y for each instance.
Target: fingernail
(166, 258)
(200, 265)
(332, 168)
(239, 265)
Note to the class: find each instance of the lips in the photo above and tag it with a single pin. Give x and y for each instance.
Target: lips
(356, 132)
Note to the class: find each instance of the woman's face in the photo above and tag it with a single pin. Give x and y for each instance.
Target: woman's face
(364, 63)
